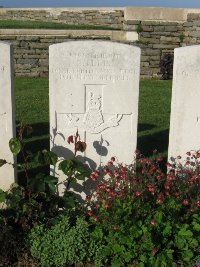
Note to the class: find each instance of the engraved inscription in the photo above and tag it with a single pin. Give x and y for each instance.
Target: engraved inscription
(2, 68)
(93, 120)
(185, 73)
(103, 74)
(93, 66)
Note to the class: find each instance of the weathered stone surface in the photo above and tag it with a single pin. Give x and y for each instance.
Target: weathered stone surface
(185, 108)
(151, 52)
(194, 34)
(165, 46)
(130, 27)
(94, 86)
(170, 39)
(147, 28)
(149, 40)
(170, 29)
(7, 115)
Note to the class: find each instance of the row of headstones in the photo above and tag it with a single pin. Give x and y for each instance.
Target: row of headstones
(94, 87)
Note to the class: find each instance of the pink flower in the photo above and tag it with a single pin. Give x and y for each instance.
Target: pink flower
(159, 159)
(185, 202)
(106, 170)
(110, 173)
(154, 251)
(96, 174)
(153, 222)
(107, 206)
(151, 188)
(137, 152)
(138, 193)
(95, 218)
(198, 203)
(177, 194)
(167, 186)
(116, 174)
(89, 213)
(159, 201)
(158, 177)
(93, 177)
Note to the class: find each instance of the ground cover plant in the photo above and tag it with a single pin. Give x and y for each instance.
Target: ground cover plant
(147, 217)
(28, 24)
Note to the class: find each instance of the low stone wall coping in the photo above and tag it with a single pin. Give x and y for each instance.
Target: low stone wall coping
(113, 35)
(158, 14)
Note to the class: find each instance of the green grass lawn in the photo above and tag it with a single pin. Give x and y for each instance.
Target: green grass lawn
(153, 122)
(27, 24)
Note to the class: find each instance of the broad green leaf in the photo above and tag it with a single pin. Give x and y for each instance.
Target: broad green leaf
(66, 166)
(51, 182)
(15, 146)
(50, 157)
(51, 188)
(39, 158)
(83, 170)
(51, 179)
(37, 183)
(69, 200)
(46, 157)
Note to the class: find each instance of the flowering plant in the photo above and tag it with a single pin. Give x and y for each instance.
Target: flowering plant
(146, 215)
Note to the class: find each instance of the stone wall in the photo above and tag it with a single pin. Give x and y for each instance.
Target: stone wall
(111, 17)
(156, 31)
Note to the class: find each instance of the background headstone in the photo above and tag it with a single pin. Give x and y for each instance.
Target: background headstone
(94, 87)
(185, 106)
(7, 117)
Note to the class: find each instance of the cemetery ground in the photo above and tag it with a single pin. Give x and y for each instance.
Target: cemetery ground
(137, 219)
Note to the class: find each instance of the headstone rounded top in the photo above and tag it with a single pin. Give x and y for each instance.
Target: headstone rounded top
(6, 44)
(94, 43)
(187, 49)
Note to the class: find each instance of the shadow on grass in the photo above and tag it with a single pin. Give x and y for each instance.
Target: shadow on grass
(148, 143)
(39, 129)
(157, 141)
(145, 127)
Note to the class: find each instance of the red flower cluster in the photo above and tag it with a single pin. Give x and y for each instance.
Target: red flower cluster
(146, 184)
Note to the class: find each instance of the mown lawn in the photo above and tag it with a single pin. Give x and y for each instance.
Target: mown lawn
(27, 24)
(153, 122)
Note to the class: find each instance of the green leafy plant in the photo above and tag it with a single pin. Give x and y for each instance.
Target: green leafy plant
(181, 37)
(147, 216)
(64, 242)
(39, 200)
(139, 28)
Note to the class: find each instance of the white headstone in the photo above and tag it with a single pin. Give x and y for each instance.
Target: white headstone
(7, 118)
(185, 106)
(94, 87)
